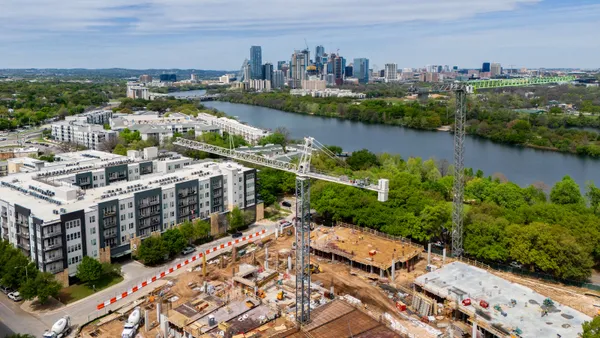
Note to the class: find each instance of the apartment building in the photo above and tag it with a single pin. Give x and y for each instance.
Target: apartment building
(235, 127)
(100, 117)
(83, 133)
(99, 204)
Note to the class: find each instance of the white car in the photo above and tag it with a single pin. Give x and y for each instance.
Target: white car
(16, 296)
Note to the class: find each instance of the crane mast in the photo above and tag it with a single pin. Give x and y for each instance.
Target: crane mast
(461, 90)
(303, 175)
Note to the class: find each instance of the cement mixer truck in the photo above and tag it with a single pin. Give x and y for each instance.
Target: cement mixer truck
(132, 324)
(60, 329)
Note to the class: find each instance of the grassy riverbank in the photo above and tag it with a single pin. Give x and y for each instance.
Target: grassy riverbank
(543, 131)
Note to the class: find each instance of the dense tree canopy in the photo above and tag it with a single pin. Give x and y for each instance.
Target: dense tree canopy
(34, 102)
(558, 236)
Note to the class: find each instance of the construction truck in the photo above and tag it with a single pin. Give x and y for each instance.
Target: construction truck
(132, 324)
(313, 268)
(60, 329)
(280, 295)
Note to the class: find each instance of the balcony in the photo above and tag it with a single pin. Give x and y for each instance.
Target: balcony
(53, 246)
(183, 194)
(24, 234)
(24, 246)
(4, 214)
(152, 222)
(149, 213)
(48, 234)
(109, 213)
(110, 224)
(110, 235)
(52, 259)
(144, 204)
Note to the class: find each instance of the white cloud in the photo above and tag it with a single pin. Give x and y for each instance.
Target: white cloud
(167, 16)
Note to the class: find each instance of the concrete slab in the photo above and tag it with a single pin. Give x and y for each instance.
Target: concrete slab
(458, 281)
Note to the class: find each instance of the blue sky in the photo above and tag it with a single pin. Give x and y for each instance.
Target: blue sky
(217, 34)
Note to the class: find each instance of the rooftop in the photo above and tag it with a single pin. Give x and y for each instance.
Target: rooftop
(361, 246)
(458, 281)
(52, 192)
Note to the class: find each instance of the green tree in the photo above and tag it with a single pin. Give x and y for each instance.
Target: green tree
(362, 159)
(174, 240)
(89, 270)
(566, 192)
(153, 250)
(593, 195)
(201, 228)
(236, 219)
(188, 231)
(43, 286)
(275, 138)
(120, 150)
(591, 329)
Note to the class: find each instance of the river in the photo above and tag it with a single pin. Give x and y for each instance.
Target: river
(520, 165)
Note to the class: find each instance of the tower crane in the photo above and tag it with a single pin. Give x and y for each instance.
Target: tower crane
(461, 89)
(303, 173)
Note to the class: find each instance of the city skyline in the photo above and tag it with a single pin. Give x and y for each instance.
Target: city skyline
(186, 34)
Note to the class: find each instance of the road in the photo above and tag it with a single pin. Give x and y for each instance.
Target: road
(81, 311)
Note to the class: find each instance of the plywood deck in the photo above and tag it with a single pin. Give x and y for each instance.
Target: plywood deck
(356, 245)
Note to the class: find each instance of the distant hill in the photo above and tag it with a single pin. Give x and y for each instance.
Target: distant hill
(113, 73)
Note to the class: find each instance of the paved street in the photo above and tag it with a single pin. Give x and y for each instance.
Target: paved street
(80, 312)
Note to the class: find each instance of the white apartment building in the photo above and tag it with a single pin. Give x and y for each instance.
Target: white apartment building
(152, 126)
(88, 135)
(96, 204)
(234, 127)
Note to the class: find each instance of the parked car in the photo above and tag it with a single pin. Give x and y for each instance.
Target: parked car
(286, 204)
(285, 225)
(188, 250)
(15, 296)
(5, 290)
(237, 235)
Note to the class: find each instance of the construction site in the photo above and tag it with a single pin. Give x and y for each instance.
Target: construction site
(363, 284)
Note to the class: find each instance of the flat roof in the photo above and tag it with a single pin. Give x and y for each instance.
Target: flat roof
(356, 244)
(458, 281)
(91, 197)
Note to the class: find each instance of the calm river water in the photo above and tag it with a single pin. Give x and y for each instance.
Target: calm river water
(520, 165)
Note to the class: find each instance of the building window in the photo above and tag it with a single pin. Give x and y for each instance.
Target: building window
(123, 217)
(122, 228)
(131, 215)
(130, 225)
(240, 180)
(92, 219)
(94, 241)
(131, 204)
(122, 206)
(92, 231)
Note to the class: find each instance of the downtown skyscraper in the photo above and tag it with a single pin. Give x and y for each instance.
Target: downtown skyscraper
(256, 67)
(300, 61)
(361, 70)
